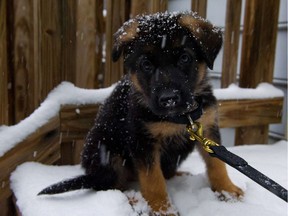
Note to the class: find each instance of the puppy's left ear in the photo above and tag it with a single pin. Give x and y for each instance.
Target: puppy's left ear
(125, 35)
(207, 36)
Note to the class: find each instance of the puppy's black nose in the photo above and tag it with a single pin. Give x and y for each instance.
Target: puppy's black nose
(169, 99)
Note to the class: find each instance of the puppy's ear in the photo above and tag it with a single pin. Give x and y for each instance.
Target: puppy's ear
(125, 35)
(207, 36)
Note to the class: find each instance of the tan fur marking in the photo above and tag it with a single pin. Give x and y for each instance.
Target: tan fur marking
(196, 26)
(216, 169)
(165, 129)
(135, 81)
(130, 32)
(153, 186)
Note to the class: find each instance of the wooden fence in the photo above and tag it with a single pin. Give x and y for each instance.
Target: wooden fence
(43, 42)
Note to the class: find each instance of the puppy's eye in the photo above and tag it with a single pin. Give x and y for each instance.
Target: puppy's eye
(184, 58)
(147, 66)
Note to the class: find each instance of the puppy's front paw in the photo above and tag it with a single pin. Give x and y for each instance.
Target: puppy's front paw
(166, 210)
(229, 192)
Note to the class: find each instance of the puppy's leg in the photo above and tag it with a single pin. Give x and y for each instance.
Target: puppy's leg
(153, 188)
(216, 169)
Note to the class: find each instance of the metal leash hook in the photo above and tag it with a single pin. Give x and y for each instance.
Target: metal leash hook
(195, 131)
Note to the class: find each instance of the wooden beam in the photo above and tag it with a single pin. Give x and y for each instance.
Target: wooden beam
(42, 146)
(200, 6)
(25, 78)
(231, 42)
(114, 20)
(86, 43)
(238, 113)
(4, 107)
(257, 57)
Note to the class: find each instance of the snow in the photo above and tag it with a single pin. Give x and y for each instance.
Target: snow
(67, 93)
(190, 194)
(262, 91)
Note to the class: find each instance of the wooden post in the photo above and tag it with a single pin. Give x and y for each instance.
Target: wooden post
(115, 18)
(231, 42)
(25, 78)
(258, 55)
(4, 108)
(86, 44)
(199, 6)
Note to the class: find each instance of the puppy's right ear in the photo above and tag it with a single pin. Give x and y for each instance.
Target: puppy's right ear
(125, 35)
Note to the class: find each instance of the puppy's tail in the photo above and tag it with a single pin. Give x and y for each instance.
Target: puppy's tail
(90, 181)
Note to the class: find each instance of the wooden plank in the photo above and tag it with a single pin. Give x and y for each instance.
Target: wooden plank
(257, 57)
(237, 113)
(4, 107)
(139, 7)
(42, 146)
(199, 6)
(68, 41)
(159, 6)
(231, 42)
(75, 121)
(115, 18)
(50, 46)
(23, 64)
(86, 43)
(100, 30)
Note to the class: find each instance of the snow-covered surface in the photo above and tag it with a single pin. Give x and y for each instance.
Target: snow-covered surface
(190, 193)
(67, 93)
(262, 91)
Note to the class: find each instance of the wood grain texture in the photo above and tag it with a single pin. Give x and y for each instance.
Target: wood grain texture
(86, 44)
(199, 6)
(4, 107)
(231, 42)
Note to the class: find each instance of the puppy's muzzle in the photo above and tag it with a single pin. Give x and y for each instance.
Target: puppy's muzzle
(169, 99)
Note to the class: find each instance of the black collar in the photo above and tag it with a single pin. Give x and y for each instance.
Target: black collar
(183, 119)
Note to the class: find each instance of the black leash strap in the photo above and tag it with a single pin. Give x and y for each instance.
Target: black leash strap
(242, 166)
(195, 131)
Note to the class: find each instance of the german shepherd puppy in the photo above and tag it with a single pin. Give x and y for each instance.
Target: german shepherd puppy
(140, 133)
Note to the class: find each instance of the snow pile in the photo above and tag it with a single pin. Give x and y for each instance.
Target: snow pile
(263, 91)
(67, 93)
(191, 194)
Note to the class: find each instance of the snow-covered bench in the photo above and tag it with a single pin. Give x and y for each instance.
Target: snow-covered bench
(50, 133)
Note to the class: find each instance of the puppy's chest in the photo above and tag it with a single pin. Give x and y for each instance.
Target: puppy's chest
(162, 131)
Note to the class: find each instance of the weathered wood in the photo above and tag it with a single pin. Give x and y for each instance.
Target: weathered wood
(4, 107)
(75, 121)
(86, 43)
(199, 6)
(139, 7)
(100, 30)
(231, 42)
(257, 56)
(42, 146)
(115, 18)
(25, 81)
(253, 112)
(159, 6)
(50, 45)
(68, 41)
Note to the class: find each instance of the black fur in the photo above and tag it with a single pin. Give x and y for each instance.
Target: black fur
(164, 62)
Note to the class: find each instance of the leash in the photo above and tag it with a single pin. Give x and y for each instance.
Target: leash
(195, 131)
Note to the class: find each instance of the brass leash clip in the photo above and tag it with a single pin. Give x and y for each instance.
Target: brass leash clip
(195, 131)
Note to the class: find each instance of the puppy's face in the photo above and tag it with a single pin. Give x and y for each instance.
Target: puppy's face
(166, 55)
